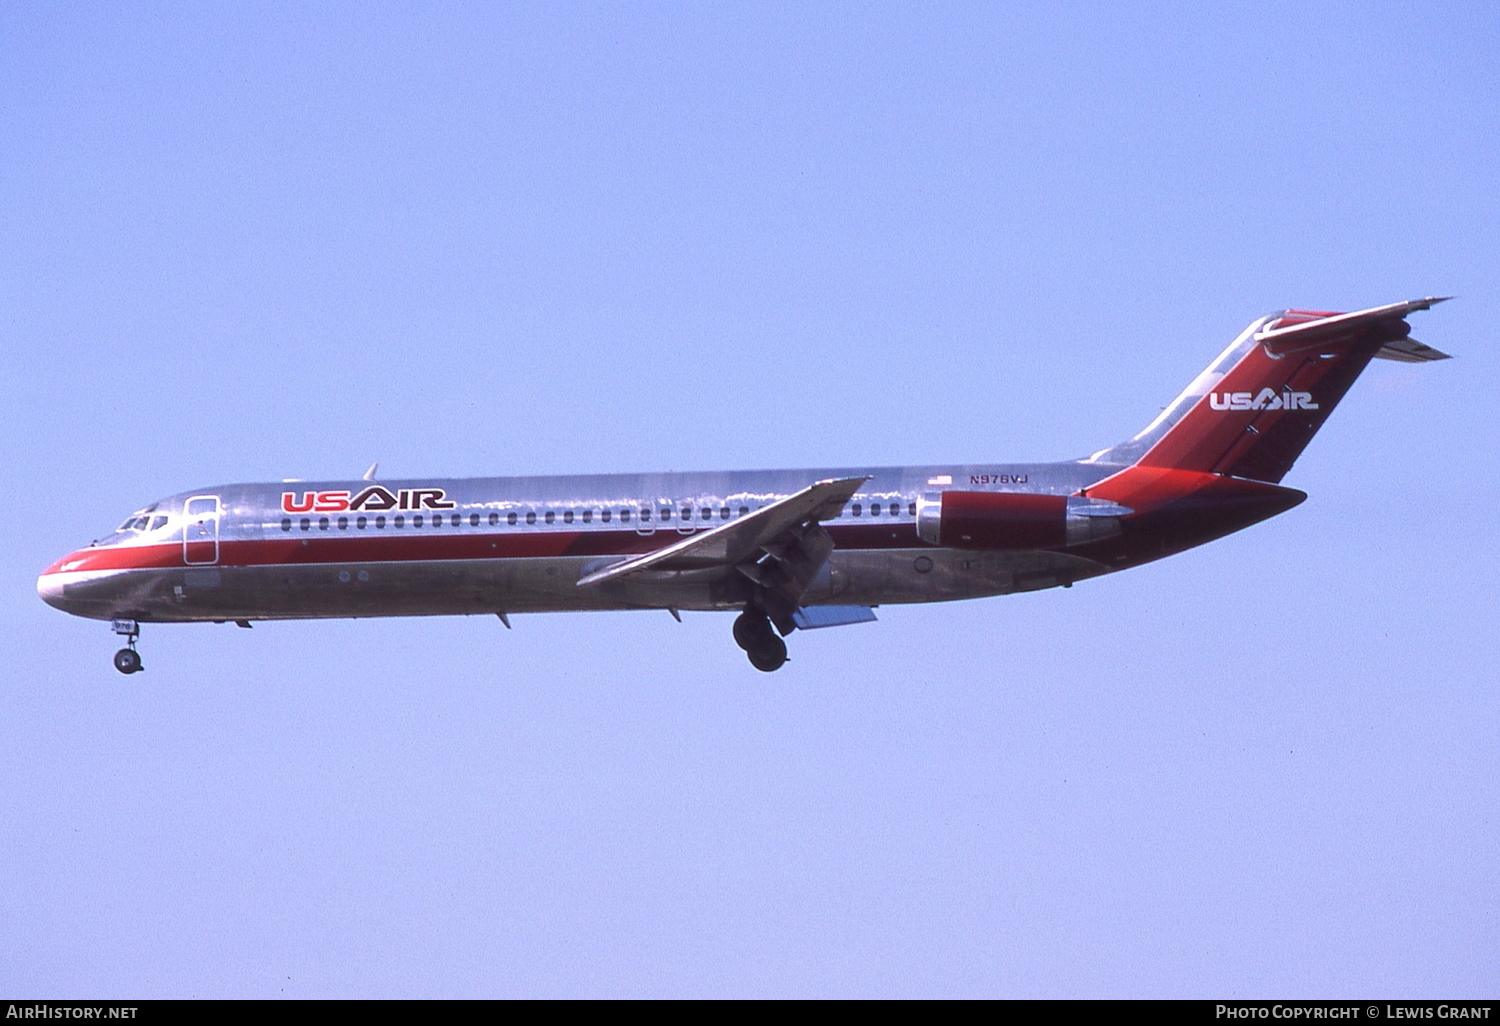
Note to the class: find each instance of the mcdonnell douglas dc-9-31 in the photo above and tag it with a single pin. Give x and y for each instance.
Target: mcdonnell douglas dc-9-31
(785, 550)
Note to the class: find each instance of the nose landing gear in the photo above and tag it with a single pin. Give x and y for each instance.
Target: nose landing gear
(753, 632)
(128, 660)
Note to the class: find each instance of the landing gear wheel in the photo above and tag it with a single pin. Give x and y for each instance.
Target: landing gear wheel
(768, 654)
(751, 630)
(128, 660)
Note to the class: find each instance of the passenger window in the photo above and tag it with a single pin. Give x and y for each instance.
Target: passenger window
(687, 512)
(511, 518)
(343, 523)
(856, 509)
(416, 521)
(645, 515)
(473, 519)
(286, 524)
(360, 523)
(895, 509)
(322, 523)
(400, 520)
(724, 513)
(624, 516)
(494, 519)
(874, 509)
(551, 516)
(531, 516)
(588, 516)
(705, 514)
(567, 516)
(604, 517)
(744, 510)
(306, 523)
(380, 523)
(911, 509)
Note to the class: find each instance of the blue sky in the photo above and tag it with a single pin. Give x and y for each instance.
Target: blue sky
(251, 242)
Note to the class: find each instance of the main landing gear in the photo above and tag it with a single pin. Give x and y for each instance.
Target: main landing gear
(753, 632)
(128, 660)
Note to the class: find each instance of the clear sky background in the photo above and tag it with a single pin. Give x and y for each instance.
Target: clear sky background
(248, 242)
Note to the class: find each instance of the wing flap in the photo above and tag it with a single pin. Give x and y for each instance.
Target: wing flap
(808, 618)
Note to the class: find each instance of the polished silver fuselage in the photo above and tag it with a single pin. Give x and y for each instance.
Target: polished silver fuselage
(776, 545)
(514, 545)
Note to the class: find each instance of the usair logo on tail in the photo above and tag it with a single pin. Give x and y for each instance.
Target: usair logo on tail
(1266, 400)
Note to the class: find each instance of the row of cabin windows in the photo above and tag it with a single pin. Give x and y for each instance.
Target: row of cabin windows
(551, 517)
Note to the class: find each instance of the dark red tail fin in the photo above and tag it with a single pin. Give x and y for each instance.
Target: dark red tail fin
(1252, 413)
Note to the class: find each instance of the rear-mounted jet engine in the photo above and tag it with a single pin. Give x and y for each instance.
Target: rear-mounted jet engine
(1015, 520)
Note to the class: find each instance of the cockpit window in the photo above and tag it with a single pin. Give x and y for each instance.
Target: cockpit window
(141, 520)
(157, 523)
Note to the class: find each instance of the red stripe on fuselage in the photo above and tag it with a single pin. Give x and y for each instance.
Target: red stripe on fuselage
(411, 546)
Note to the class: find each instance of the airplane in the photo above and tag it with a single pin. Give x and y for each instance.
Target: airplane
(785, 550)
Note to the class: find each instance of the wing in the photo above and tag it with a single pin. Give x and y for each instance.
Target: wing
(772, 530)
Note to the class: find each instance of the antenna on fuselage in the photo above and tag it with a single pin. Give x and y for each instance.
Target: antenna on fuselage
(370, 474)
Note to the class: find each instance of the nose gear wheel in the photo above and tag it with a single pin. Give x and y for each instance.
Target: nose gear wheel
(128, 660)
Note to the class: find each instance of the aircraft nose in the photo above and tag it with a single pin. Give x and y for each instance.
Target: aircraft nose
(50, 588)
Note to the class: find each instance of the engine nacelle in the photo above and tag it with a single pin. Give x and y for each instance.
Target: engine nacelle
(1015, 520)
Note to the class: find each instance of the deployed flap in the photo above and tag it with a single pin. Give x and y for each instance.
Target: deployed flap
(1322, 331)
(812, 617)
(742, 539)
